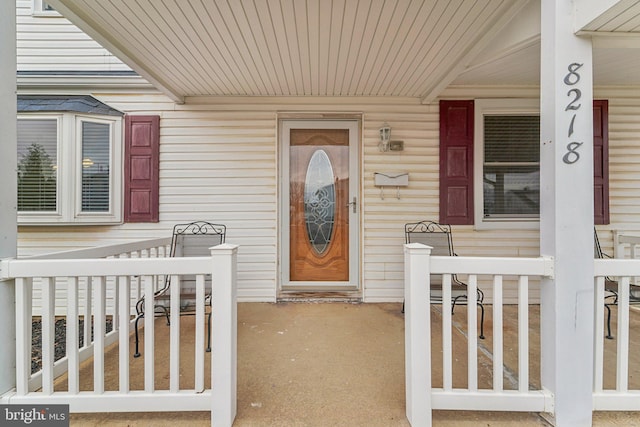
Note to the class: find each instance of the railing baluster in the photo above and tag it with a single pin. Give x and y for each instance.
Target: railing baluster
(598, 360)
(88, 298)
(200, 322)
(115, 317)
(622, 377)
(149, 342)
(523, 334)
(124, 283)
(48, 333)
(498, 345)
(472, 329)
(99, 324)
(24, 292)
(447, 347)
(137, 283)
(174, 335)
(73, 364)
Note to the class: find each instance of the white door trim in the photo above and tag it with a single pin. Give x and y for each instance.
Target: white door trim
(285, 126)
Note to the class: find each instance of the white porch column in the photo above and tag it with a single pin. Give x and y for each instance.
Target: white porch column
(224, 335)
(8, 189)
(566, 214)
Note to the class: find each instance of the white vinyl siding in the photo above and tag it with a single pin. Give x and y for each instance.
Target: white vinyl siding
(49, 42)
(218, 162)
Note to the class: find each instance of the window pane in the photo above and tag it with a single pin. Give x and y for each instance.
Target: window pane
(37, 165)
(511, 174)
(511, 191)
(511, 139)
(95, 167)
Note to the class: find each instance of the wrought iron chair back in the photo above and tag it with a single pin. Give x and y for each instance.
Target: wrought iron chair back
(192, 240)
(188, 240)
(439, 238)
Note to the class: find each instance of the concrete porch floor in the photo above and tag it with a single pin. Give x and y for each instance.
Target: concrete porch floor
(333, 364)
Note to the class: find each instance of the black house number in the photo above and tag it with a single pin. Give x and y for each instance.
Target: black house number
(571, 79)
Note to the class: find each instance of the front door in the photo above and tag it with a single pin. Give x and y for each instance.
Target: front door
(320, 205)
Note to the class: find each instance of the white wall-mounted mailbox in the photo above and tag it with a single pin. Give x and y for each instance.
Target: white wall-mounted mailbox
(390, 179)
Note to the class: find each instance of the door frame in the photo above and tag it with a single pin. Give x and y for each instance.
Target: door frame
(355, 219)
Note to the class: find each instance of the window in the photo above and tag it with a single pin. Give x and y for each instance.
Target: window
(37, 165)
(69, 168)
(43, 8)
(507, 158)
(511, 167)
(489, 162)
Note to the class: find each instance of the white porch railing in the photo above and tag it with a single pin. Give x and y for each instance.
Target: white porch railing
(62, 276)
(625, 243)
(622, 394)
(420, 396)
(153, 248)
(616, 362)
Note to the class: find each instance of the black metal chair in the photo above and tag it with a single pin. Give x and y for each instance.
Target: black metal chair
(439, 237)
(188, 240)
(611, 286)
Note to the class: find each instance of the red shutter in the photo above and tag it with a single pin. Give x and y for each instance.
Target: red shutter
(456, 162)
(141, 168)
(601, 161)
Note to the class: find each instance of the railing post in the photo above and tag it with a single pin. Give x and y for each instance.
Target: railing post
(417, 335)
(224, 334)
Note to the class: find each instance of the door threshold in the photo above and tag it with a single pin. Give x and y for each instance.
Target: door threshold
(319, 296)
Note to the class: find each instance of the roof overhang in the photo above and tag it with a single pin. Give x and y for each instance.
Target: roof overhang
(344, 48)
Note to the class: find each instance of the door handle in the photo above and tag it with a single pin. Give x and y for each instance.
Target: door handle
(353, 204)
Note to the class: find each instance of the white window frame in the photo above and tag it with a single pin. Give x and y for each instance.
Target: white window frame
(69, 172)
(39, 10)
(484, 107)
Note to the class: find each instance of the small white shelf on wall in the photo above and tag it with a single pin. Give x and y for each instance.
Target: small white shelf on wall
(390, 179)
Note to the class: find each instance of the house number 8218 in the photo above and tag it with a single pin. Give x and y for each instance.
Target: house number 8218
(571, 79)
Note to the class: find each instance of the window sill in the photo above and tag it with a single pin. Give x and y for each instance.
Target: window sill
(507, 224)
(52, 221)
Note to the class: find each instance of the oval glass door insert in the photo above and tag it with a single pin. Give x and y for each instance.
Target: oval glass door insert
(319, 201)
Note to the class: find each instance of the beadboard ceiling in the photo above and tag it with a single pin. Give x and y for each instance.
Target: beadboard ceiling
(407, 48)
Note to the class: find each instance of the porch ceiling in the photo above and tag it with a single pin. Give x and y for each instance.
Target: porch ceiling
(412, 48)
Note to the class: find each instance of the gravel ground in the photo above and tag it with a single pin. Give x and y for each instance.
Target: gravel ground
(60, 349)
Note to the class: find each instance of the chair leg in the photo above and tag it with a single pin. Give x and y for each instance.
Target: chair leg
(455, 301)
(481, 320)
(140, 316)
(209, 333)
(608, 336)
(165, 312)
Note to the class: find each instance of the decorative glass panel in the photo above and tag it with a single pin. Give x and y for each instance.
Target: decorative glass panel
(95, 167)
(319, 201)
(37, 165)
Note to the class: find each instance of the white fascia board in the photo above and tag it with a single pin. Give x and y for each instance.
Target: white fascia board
(45, 81)
(588, 12)
(522, 32)
(482, 41)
